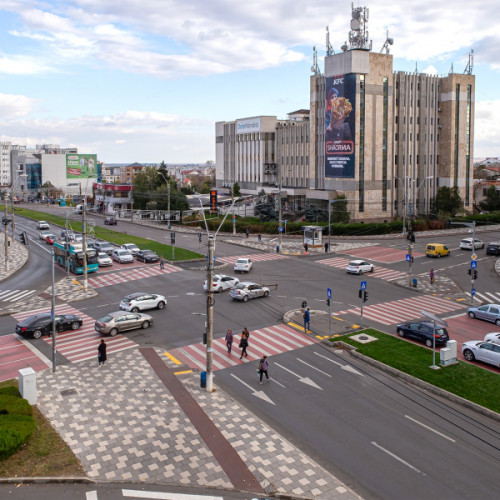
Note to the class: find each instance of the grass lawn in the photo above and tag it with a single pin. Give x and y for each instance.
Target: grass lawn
(114, 236)
(44, 455)
(463, 379)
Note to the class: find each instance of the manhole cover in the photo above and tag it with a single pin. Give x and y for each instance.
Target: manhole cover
(68, 392)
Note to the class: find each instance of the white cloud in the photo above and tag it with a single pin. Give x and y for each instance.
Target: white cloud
(487, 129)
(15, 106)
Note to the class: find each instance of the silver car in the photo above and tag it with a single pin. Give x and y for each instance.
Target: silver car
(116, 322)
(131, 247)
(122, 256)
(139, 301)
(488, 352)
(488, 312)
(247, 290)
(221, 282)
(104, 259)
(359, 267)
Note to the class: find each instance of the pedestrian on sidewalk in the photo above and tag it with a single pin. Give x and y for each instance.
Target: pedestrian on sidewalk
(199, 237)
(263, 367)
(431, 276)
(326, 246)
(259, 238)
(229, 340)
(307, 319)
(306, 248)
(247, 232)
(101, 353)
(243, 345)
(162, 262)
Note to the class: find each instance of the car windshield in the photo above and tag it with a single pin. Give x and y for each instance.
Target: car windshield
(103, 255)
(126, 300)
(106, 318)
(241, 261)
(147, 252)
(354, 263)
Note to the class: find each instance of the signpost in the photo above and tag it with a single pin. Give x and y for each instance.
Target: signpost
(363, 296)
(435, 320)
(329, 302)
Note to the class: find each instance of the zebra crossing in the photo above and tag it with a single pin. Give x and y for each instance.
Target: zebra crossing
(258, 257)
(136, 273)
(486, 297)
(15, 295)
(382, 273)
(271, 340)
(399, 311)
(80, 345)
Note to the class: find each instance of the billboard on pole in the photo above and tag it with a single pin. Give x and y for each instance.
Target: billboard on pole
(340, 125)
(81, 166)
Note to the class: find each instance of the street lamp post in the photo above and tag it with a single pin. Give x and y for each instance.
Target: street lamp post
(12, 205)
(168, 199)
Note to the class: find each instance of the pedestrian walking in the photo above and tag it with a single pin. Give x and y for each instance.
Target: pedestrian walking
(229, 340)
(306, 248)
(263, 367)
(431, 276)
(307, 319)
(243, 345)
(246, 332)
(326, 246)
(101, 353)
(259, 238)
(162, 262)
(199, 237)
(247, 232)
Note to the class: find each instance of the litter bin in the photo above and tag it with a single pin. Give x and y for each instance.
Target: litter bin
(414, 282)
(277, 249)
(203, 379)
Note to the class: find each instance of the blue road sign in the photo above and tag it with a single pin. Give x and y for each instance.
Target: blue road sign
(363, 285)
(281, 229)
(285, 221)
(408, 257)
(473, 291)
(473, 264)
(329, 293)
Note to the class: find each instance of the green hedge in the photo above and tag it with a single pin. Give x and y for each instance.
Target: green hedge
(15, 430)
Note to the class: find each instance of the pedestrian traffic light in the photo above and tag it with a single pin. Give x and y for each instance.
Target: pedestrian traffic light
(328, 302)
(360, 294)
(172, 238)
(365, 295)
(204, 339)
(474, 274)
(469, 271)
(22, 239)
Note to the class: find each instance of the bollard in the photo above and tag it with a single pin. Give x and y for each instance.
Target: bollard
(203, 380)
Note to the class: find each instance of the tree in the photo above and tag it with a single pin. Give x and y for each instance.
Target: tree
(236, 190)
(50, 190)
(339, 210)
(265, 208)
(447, 201)
(492, 201)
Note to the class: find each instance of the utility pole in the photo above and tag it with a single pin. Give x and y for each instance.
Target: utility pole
(234, 215)
(168, 201)
(84, 242)
(280, 229)
(210, 311)
(66, 246)
(53, 313)
(6, 234)
(329, 227)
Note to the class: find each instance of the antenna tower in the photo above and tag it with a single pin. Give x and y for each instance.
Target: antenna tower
(358, 36)
(329, 48)
(315, 68)
(470, 65)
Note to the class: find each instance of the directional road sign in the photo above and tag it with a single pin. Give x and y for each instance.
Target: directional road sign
(408, 257)
(473, 291)
(363, 285)
(329, 293)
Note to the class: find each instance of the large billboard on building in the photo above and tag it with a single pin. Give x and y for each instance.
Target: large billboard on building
(248, 125)
(81, 166)
(340, 125)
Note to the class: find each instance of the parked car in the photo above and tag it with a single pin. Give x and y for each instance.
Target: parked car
(50, 239)
(79, 238)
(103, 259)
(71, 235)
(493, 248)
(41, 324)
(492, 337)
(104, 246)
(43, 235)
(140, 301)
(42, 224)
(423, 332)
(488, 312)
(122, 256)
(147, 256)
(131, 247)
(221, 282)
(359, 267)
(243, 265)
(120, 321)
(436, 250)
(110, 221)
(247, 290)
(466, 244)
(90, 243)
(487, 352)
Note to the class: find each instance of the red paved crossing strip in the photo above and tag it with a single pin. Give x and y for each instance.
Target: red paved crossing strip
(258, 257)
(403, 310)
(79, 345)
(269, 341)
(14, 356)
(382, 254)
(136, 273)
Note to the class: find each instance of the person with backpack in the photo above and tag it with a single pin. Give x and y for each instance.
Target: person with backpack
(243, 345)
(263, 367)
(307, 320)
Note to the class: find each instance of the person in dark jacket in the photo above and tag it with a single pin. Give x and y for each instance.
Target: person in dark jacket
(243, 345)
(263, 367)
(101, 353)
(229, 340)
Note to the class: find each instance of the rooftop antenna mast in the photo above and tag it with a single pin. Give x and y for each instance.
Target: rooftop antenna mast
(388, 41)
(358, 36)
(470, 65)
(451, 69)
(315, 68)
(329, 48)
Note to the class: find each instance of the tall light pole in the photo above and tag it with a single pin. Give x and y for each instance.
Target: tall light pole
(12, 205)
(168, 199)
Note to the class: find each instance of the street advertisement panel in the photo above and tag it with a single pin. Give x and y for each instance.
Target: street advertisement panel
(248, 125)
(340, 125)
(80, 166)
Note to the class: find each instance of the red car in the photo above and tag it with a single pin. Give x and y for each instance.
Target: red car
(50, 239)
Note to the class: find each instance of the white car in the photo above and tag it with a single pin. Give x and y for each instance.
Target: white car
(359, 267)
(488, 352)
(43, 235)
(243, 265)
(139, 301)
(103, 259)
(221, 282)
(247, 290)
(131, 247)
(466, 244)
(122, 256)
(492, 337)
(42, 224)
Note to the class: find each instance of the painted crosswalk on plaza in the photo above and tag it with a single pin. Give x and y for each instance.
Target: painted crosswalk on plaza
(80, 345)
(258, 257)
(398, 311)
(15, 295)
(269, 341)
(137, 273)
(378, 272)
(485, 297)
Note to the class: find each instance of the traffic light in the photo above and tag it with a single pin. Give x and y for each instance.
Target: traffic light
(360, 294)
(172, 238)
(411, 236)
(328, 302)
(365, 295)
(474, 274)
(469, 271)
(204, 339)
(213, 201)
(22, 239)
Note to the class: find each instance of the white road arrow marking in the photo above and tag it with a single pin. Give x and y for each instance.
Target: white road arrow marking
(347, 368)
(314, 368)
(304, 380)
(259, 394)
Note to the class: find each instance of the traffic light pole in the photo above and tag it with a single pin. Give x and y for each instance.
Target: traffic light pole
(210, 312)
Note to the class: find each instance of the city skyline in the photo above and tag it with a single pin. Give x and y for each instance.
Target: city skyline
(146, 81)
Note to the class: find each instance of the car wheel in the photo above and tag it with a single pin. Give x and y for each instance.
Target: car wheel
(469, 355)
(75, 325)
(266, 294)
(360, 272)
(161, 305)
(428, 342)
(113, 332)
(145, 324)
(401, 333)
(37, 334)
(497, 322)
(472, 315)
(135, 309)
(245, 298)
(372, 269)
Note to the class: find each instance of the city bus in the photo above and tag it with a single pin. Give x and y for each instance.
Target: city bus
(72, 253)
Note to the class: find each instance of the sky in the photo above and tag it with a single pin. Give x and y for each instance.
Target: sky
(146, 80)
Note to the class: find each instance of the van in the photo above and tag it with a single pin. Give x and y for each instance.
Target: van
(79, 209)
(436, 250)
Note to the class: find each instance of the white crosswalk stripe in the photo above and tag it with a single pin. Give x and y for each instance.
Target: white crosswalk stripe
(379, 272)
(398, 311)
(486, 297)
(137, 273)
(269, 341)
(15, 295)
(258, 257)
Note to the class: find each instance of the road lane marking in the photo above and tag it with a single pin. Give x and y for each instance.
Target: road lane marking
(399, 459)
(258, 394)
(313, 367)
(347, 368)
(172, 358)
(160, 495)
(430, 429)
(304, 380)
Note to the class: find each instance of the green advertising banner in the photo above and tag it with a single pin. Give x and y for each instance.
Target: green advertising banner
(81, 166)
